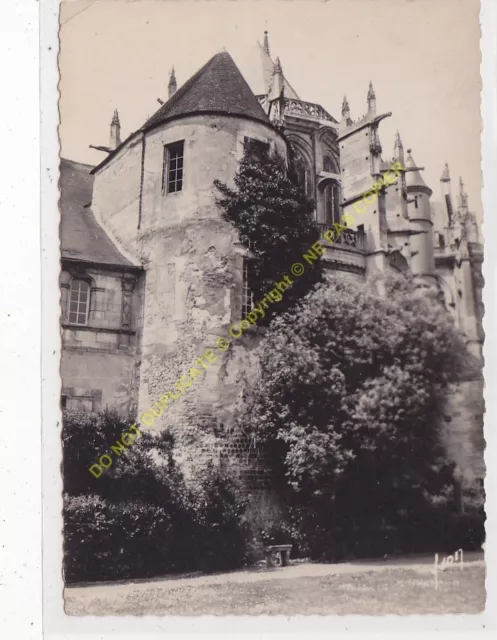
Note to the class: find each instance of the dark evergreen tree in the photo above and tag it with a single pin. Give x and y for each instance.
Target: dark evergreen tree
(275, 222)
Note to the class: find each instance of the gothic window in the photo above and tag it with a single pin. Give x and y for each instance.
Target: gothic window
(328, 164)
(172, 179)
(331, 195)
(247, 293)
(79, 302)
(302, 172)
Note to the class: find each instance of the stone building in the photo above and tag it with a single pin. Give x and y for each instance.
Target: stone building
(152, 275)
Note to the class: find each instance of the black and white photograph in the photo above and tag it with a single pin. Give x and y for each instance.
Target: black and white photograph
(271, 308)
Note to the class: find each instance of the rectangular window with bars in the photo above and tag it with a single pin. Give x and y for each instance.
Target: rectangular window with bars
(247, 293)
(172, 179)
(79, 302)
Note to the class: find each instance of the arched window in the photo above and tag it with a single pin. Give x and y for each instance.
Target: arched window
(302, 172)
(79, 302)
(328, 164)
(331, 197)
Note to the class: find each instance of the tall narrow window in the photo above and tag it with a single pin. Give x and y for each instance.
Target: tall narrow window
(173, 167)
(332, 203)
(79, 302)
(328, 165)
(302, 172)
(247, 293)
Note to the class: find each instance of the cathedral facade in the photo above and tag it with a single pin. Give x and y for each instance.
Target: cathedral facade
(152, 274)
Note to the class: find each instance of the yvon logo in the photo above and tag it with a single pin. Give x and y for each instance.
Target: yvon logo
(455, 559)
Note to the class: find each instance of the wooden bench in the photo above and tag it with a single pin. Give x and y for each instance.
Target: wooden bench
(278, 555)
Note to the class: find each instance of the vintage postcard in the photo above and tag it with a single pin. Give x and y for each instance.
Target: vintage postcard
(271, 308)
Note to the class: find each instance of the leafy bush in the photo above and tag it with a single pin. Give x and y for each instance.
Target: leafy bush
(221, 510)
(349, 405)
(140, 519)
(107, 541)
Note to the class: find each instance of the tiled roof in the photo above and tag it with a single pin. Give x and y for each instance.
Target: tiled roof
(217, 87)
(82, 238)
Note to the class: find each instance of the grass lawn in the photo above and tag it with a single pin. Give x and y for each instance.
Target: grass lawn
(399, 591)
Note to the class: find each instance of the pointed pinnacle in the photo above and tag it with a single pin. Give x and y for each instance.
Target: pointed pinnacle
(371, 93)
(446, 174)
(277, 66)
(345, 106)
(115, 117)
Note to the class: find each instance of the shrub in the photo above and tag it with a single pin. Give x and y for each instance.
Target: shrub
(108, 541)
(140, 519)
(221, 510)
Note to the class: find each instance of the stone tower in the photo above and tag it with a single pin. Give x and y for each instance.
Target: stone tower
(420, 222)
(167, 216)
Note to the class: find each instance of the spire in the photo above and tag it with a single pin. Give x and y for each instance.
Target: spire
(371, 93)
(345, 108)
(371, 101)
(445, 180)
(277, 82)
(266, 43)
(115, 131)
(398, 149)
(172, 86)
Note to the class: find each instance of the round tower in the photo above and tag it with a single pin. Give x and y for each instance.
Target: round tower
(166, 214)
(420, 222)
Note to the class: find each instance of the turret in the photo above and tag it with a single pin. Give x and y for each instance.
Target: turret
(115, 131)
(420, 222)
(371, 101)
(172, 86)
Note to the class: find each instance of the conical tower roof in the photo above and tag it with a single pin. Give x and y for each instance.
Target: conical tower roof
(414, 179)
(218, 87)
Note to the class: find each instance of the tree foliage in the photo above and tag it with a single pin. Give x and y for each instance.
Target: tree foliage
(142, 518)
(274, 219)
(350, 394)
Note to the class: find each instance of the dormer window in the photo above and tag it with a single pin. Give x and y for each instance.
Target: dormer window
(79, 302)
(172, 179)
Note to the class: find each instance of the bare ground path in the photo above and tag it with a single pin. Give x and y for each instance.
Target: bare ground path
(401, 585)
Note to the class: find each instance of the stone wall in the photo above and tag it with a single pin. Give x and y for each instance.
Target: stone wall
(463, 432)
(99, 359)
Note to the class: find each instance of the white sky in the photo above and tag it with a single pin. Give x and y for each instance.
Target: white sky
(423, 57)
